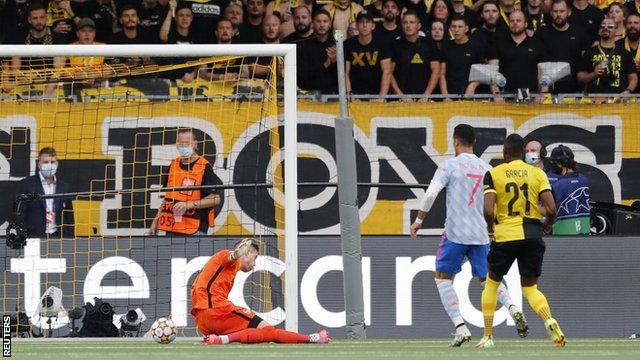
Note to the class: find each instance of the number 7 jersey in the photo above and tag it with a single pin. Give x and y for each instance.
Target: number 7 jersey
(462, 176)
(517, 186)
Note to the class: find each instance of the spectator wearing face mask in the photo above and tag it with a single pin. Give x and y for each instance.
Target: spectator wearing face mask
(185, 213)
(50, 217)
(535, 152)
(571, 193)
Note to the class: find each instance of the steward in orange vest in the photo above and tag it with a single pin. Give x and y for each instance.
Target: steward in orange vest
(187, 211)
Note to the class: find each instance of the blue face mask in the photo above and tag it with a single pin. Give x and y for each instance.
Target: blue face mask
(48, 169)
(532, 158)
(185, 151)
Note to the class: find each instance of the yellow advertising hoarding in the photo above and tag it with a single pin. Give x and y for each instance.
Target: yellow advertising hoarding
(124, 145)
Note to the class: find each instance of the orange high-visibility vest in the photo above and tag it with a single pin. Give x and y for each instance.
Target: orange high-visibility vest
(190, 221)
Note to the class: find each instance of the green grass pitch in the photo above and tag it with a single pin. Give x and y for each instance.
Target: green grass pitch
(138, 349)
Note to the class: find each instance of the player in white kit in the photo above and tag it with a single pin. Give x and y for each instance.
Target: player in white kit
(465, 232)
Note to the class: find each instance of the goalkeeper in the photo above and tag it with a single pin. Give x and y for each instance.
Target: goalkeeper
(219, 319)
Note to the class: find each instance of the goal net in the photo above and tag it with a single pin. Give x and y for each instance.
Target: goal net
(112, 114)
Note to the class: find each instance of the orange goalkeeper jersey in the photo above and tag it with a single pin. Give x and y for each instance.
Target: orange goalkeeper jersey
(211, 288)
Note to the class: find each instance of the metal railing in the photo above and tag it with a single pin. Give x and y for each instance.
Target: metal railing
(324, 98)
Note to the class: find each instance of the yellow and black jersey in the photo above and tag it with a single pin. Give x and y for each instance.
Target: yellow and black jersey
(517, 186)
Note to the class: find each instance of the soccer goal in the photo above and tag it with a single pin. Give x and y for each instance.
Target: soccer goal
(112, 114)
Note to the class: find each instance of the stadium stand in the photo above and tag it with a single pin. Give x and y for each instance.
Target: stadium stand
(553, 24)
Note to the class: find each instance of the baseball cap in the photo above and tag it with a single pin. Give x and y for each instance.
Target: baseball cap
(562, 152)
(364, 14)
(84, 22)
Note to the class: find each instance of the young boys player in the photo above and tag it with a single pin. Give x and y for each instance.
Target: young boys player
(219, 319)
(512, 192)
(465, 229)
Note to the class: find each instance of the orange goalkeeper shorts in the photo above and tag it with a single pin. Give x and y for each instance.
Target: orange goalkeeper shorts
(214, 321)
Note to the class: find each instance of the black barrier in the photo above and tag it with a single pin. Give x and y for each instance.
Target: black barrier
(592, 283)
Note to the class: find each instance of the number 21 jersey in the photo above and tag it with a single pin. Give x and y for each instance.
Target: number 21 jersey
(517, 186)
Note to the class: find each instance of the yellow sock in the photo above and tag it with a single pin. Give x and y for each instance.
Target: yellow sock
(538, 301)
(489, 300)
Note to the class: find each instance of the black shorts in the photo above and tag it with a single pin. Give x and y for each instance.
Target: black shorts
(528, 252)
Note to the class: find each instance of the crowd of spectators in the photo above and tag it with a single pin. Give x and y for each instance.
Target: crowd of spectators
(393, 46)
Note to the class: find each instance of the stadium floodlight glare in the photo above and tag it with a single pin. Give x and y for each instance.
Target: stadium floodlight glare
(550, 72)
(487, 74)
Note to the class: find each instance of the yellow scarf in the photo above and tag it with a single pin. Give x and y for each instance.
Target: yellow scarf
(535, 24)
(603, 4)
(428, 3)
(504, 15)
(467, 3)
(352, 11)
(276, 6)
(341, 7)
(54, 15)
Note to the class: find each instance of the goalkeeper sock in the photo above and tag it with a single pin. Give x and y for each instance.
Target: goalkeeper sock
(538, 301)
(450, 301)
(225, 339)
(288, 337)
(233, 337)
(489, 300)
(268, 334)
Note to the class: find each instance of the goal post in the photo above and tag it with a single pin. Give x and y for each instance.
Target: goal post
(288, 119)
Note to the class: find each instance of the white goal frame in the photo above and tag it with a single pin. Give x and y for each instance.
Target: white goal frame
(288, 51)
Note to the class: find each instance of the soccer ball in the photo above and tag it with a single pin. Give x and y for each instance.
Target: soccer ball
(164, 330)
